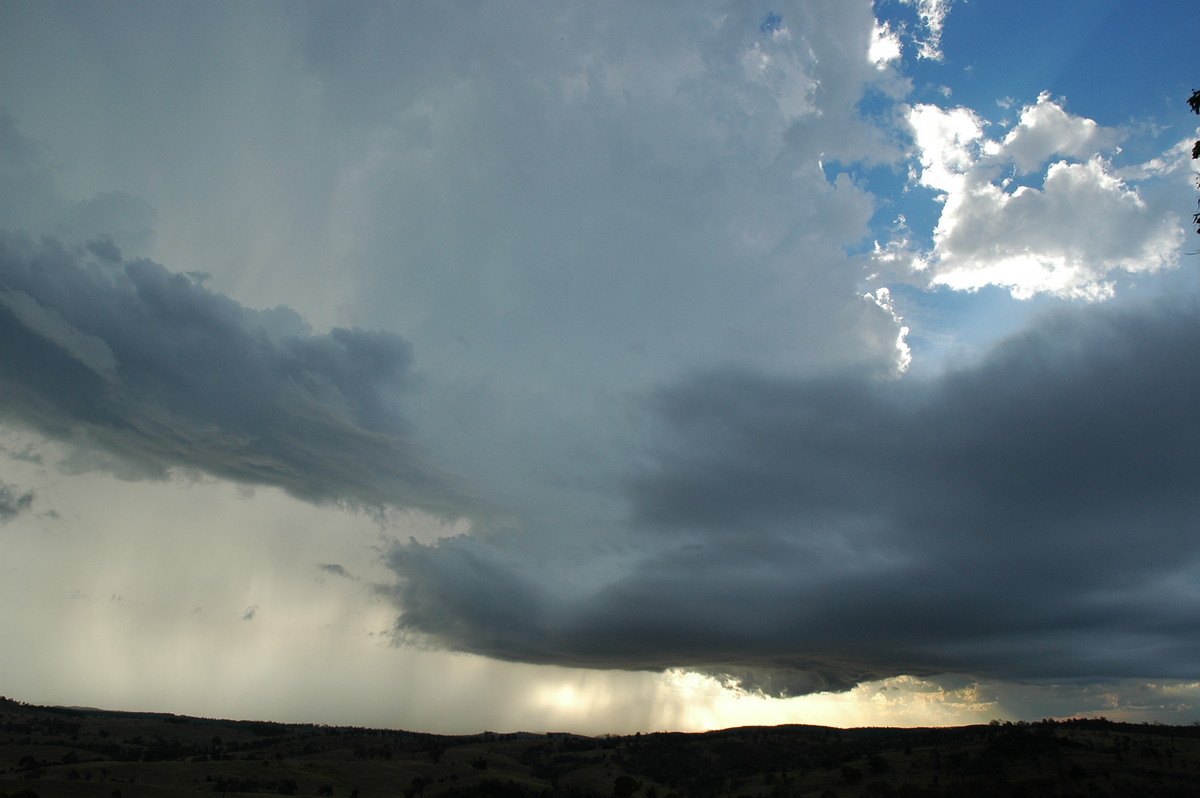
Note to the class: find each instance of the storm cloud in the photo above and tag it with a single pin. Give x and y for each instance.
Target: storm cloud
(141, 370)
(13, 502)
(1027, 516)
(665, 335)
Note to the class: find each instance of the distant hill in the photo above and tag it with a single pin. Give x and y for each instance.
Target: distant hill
(47, 752)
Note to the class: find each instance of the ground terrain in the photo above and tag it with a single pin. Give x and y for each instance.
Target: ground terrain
(47, 752)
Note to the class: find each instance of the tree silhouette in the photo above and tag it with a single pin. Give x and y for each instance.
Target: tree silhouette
(1194, 104)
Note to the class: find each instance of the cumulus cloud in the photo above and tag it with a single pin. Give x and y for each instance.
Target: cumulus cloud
(1045, 129)
(1067, 237)
(565, 211)
(801, 535)
(143, 371)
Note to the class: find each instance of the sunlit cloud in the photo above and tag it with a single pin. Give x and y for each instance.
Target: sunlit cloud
(1070, 236)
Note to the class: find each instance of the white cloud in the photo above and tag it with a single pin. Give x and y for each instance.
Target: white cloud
(885, 46)
(1045, 129)
(933, 15)
(883, 298)
(949, 144)
(1067, 237)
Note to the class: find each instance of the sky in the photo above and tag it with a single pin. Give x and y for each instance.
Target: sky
(600, 367)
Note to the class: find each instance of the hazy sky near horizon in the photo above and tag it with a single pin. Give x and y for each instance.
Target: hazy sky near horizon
(600, 367)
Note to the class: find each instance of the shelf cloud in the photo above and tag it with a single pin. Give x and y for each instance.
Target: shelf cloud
(805, 535)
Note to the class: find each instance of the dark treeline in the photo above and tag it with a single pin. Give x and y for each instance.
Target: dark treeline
(52, 751)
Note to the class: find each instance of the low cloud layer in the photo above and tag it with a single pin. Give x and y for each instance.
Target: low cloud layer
(808, 535)
(141, 371)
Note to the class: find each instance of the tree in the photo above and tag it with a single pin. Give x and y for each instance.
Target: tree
(625, 786)
(1194, 104)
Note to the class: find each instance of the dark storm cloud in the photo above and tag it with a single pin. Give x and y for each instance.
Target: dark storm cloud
(13, 502)
(143, 370)
(1031, 516)
(336, 570)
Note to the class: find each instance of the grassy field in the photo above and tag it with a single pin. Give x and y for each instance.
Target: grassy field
(47, 752)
